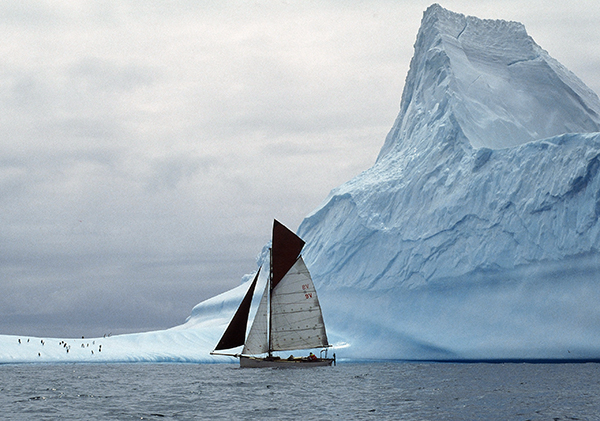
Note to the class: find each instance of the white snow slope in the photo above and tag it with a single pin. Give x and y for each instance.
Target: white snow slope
(474, 236)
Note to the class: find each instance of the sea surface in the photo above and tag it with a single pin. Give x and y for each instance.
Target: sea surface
(349, 391)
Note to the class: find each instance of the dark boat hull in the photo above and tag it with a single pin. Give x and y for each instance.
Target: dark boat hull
(255, 362)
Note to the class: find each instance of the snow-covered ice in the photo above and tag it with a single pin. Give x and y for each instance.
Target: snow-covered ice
(474, 236)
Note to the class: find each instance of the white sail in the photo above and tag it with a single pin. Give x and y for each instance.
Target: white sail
(257, 341)
(296, 318)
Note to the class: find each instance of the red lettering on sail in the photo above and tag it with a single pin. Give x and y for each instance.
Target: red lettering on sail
(305, 287)
(309, 295)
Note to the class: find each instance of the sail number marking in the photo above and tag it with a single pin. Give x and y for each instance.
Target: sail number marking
(307, 295)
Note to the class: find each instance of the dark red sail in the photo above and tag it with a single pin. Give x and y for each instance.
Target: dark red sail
(235, 335)
(285, 250)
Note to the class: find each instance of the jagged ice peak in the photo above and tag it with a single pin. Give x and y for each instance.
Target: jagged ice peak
(490, 83)
(491, 164)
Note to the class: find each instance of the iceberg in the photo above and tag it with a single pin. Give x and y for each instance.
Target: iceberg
(474, 236)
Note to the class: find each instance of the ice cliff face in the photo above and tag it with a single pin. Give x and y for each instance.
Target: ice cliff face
(485, 198)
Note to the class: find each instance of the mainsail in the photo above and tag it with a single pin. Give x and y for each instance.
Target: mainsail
(296, 318)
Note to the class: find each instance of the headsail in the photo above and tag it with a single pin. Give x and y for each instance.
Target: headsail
(258, 339)
(235, 334)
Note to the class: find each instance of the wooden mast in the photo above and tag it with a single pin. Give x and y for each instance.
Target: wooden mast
(269, 280)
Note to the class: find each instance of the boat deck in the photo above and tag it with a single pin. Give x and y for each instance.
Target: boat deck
(275, 362)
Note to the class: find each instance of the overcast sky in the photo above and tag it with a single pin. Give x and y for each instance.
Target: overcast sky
(146, 146)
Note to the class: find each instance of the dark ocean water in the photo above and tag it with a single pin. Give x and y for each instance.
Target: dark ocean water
(350, 391)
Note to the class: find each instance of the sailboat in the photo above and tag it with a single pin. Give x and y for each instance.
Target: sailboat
(288, 317)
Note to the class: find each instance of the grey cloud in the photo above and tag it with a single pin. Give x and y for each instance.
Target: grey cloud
(95, 74)
(168, 172)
